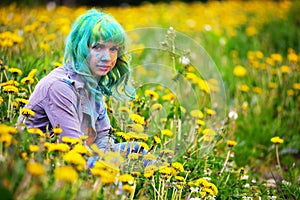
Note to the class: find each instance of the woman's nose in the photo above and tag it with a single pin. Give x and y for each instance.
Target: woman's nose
(105, 56)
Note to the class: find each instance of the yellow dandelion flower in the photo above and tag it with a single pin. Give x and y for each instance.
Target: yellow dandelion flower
(144, 145)
(137, 119)
(259, 54)
(152, 94)
(6, 139)
(290, 92)
(27, 80)
(136, 127)
(149, 157)
(148, 174)
(239, 71)
(127, 188)
(36, 131)
(276, 57)
(156, 106)
(157, 140)
(22, 101)
(105, 176)
(69, 140)
(168, 97)
(200, 122)
(27, 112)
(180, 178)
(74, 158)
(142, 136)
(81, 149)
(133, 156)
(197, 114)
(57, 64)
(32, 73)
(10, 89)
(251, 30)
(257, 90)
(57, 130)
(167, 151)
(165, 170)
(167, 132)
(10, 82)
(34, 148)
(124, 110)
(201, 182)
(292, 57)
(285, 69)
(50, 37)
(270, 61)
(174, 172)
(123, 135)
(210, 111)
(35, 169)
(178, 166)
(272, 85)
(244, 88)
(213, 187)
(1, 100)
(126, 178)
(204, 86)
(208, 191)
(277, 140)
(60, 147)
(151, 168)
(15, 104)
(24, 156)
(135, 174)
(66, 173)
(231, 143)
(163, 120)
(132, 135)
(208, 134)
(4, 129)
(15, 71)
(296, 86)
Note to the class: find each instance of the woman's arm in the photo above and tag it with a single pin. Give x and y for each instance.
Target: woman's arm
(61, 109)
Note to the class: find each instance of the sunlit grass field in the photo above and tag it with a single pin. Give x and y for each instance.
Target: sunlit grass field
(217, 104)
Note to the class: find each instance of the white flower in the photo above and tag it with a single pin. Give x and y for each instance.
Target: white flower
(194, 189)
(233, 115)
(286, 183)
(184, 60)
(244, 177)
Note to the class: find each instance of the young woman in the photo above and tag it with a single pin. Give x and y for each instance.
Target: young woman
(72, 96)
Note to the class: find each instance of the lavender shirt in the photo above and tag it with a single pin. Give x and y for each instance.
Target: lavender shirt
(61, 98)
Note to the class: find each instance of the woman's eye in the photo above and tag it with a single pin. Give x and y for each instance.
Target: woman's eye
(114, 49)
(98, 46)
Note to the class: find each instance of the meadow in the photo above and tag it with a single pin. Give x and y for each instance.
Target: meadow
(217, 104)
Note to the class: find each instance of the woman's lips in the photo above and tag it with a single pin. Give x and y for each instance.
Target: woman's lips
(103, 67)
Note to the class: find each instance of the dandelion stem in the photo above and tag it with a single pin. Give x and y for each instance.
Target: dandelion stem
(1, 152)
(9, 109)
(278, 160)
(29, 89)
(225, 163)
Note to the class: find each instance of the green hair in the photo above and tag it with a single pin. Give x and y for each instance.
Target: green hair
(87, 31)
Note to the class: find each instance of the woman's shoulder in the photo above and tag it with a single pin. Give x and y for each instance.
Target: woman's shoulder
(56, 78)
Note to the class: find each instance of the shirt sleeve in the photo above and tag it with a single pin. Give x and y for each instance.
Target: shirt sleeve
(61, 109)
(103, 140)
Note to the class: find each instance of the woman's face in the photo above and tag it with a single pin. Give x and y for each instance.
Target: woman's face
(103, 57)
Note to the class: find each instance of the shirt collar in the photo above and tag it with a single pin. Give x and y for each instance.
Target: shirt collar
(74, 77)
